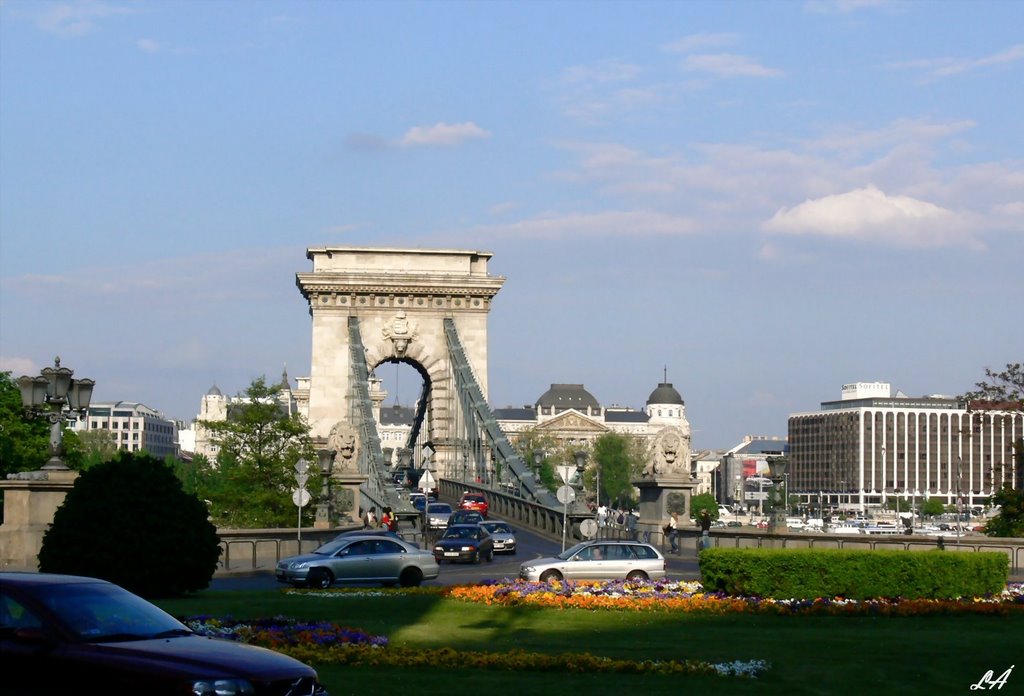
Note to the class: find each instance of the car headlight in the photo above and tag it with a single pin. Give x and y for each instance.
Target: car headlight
(529, 569)
(222, 687)
(296, 565)
(469, 548)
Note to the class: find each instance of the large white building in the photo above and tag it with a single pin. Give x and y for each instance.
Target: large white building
(870, 445)
(571, 415)
(131, 426)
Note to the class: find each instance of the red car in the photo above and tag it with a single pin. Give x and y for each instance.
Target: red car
(474, 501)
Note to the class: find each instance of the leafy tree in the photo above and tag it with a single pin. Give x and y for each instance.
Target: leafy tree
(250, 484)
(704, 501)
(24, 442)
(129, 521)
(97, 446)
(1010, 520)
(932, 507)
(1007, 387)
(615, 457)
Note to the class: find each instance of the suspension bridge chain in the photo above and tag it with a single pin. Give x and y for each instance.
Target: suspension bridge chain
(480, 419)
(378, 489)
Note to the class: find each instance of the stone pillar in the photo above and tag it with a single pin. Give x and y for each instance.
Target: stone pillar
(30, 500)
(660, 496)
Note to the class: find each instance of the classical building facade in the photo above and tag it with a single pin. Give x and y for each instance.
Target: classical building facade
(571, 416)
(132, 426)
(869, 445)
(215, 406)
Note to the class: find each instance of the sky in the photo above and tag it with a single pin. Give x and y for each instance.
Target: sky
(761, 200)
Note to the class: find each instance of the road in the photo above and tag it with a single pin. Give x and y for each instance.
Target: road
(531, 545)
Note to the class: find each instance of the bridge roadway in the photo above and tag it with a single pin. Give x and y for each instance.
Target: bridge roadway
(531, 545)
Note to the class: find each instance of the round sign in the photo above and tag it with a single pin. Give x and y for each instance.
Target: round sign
(300, 497)
(588, 528)
(566, 494)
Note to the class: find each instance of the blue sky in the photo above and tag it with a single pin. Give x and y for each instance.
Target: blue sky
(766, 199)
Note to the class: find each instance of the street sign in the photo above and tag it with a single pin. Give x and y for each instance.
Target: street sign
(301, 479)
(427, 481)
(566, 494)
(588, 528)
(566, 472)
(300, 496)
(302, 466)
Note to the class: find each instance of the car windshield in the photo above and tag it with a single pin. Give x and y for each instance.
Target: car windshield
(331, 547)
(498, 527)
(440, 508)
(98, 612)
(460, 533)
(572, 551)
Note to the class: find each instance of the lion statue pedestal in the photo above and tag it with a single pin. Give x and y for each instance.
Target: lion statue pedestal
(666, 484)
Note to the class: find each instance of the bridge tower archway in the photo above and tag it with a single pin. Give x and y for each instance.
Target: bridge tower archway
(400, 298)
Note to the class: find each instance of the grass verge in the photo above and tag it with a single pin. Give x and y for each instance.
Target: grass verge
(934, 654)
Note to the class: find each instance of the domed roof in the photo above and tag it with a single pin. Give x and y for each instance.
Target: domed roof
(214, 391)
(665, 394)
(568, 396)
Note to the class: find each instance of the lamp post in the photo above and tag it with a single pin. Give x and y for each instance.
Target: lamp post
(47, 395)
(301, 495)
(566, 493)
(777, 469)
(538, 460)
(325, 458)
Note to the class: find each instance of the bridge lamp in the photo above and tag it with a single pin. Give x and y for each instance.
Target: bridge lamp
(47, 395)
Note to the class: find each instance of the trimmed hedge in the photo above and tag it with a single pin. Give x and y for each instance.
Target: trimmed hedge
(854, 574)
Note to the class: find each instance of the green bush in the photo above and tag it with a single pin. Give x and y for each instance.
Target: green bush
(855, 574)
(130, 522)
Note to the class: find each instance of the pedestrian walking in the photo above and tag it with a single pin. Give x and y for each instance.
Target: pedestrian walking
(672, 532)
(704, 520)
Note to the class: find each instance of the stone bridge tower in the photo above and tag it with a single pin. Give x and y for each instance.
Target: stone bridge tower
(401, 298)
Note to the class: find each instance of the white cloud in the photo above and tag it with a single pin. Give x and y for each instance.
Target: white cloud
(844, 6)
(728, 65)
(694, 42)
(78, 19)
(18, 366)
(616, 223)
(869, 214)
(601, 72)
(147, 45)
(945, 67)
(443, 134)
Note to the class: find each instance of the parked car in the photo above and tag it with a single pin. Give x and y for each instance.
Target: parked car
(65, 634)
(599, 559)
(474, 501)
(465, 517)
(438, 514)
(360, 558)
(502, 534)
(464, 542)
(733, 523)
(418, 500)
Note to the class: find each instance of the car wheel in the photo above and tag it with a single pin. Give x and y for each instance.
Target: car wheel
(549, 575)
(411, 577)
(636, 575)
(320, 578)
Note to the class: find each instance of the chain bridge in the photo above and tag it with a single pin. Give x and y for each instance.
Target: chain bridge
(427, 308)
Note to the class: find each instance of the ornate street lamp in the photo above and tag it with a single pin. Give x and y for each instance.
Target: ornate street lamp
(538, 459)
(324, 508)
(47, 396)
(777, 472)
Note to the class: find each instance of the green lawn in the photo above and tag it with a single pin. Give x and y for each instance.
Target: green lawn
(809, 655)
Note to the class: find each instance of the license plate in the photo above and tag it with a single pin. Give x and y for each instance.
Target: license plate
(451, 553)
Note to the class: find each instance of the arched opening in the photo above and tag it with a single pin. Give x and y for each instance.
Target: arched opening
(398, 388)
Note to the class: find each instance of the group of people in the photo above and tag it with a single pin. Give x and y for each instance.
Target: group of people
(388, 520)
(671, 529)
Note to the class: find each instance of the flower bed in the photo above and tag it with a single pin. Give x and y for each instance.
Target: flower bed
(323, 642)
(689, 596)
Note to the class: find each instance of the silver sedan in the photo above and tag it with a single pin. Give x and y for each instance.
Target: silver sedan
(503, 535)
(602, 559)
(360, 558)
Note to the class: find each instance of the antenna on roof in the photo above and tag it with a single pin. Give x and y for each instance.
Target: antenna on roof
(665, 379)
